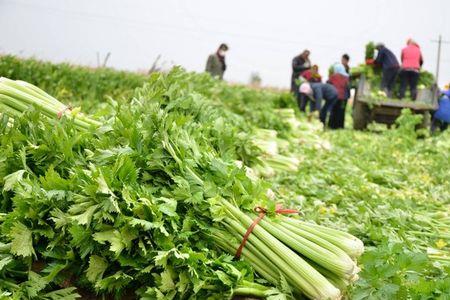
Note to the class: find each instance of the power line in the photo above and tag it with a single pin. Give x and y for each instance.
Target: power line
(160, 26)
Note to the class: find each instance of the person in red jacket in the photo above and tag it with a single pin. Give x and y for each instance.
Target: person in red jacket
(340, 80)
(312, 75)
(411, 63)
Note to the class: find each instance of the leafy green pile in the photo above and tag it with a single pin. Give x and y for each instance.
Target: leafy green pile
(389, 189)
(137, 203)
(112, 210)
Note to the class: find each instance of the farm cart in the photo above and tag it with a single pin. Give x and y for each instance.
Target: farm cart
(369, 108)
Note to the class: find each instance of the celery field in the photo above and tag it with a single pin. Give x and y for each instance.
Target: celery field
(118, 185)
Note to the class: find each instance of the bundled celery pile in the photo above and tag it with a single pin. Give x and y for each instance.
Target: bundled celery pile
(18, 96)
(130, 207)
(271, 161)
(390, 189)
(314, 260)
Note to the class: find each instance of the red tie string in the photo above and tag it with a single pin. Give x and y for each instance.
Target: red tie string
(60, 113)
(262, 212)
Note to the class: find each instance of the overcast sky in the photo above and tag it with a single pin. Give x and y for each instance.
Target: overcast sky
(263, 36)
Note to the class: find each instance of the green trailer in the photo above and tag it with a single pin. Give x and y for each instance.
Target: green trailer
(368, 107)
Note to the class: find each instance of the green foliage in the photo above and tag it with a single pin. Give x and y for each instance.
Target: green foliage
(110, 212)
(370, 51)
(72, 84)
(21, 240)
(393, 272)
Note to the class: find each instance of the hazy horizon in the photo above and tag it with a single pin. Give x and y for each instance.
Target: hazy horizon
(263, 36)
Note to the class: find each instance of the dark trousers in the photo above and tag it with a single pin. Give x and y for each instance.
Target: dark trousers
(435, 124)
(303, 100)
(388, 80)
(329, 103)
(411, 78)
(337, 114)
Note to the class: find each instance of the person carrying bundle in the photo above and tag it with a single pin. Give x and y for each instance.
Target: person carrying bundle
(340, 80)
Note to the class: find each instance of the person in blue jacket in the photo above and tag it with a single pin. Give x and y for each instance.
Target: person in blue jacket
(390, 66)
(441, 117)
(316, 92)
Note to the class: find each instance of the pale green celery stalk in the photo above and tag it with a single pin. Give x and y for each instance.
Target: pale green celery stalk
(264, 170)
(267, 146)
(17, 107)
(268, 273)
(440, 258)
(285, 159)
(347, 242)
(339, 254)
(254, 285)
(254, 289)
(308, 280)
(285, 168)
(266, 133)
(196, 178)
(8, 110)
(337, 281)
(292, 276)
(249, 291)
(27, 98)
(20, 85)
(37, 90)
(31, 94)
(342, 266)
(253, 254)
(282, 163)
(169, 148)
(12, 103)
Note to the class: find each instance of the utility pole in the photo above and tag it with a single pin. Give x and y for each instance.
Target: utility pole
(440, 42)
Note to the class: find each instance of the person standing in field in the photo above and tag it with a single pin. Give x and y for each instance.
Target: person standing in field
(390, 66)
(412, 61)
(300, 63)
(345, 59)
(216, 65)
(340, 80)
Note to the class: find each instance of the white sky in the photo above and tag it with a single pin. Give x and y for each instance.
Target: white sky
(263, 36)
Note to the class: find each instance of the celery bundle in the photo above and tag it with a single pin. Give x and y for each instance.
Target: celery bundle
(288, 116)
(271, 161)
(18, 96)
(315, 260)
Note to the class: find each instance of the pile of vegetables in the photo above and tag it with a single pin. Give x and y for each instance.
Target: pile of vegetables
(119, 205)
(16, 97)
(373, 75)
(153, 202)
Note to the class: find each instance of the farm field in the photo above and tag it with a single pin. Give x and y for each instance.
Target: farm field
(138, 207)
